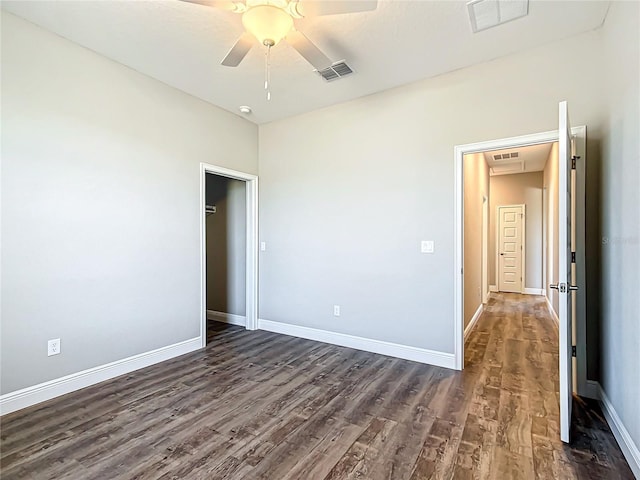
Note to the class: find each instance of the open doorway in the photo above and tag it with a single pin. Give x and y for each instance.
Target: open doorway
(228, 249)
(518, 177)
(503, 224)
(540, 257)
(512, 337)
(225, 234)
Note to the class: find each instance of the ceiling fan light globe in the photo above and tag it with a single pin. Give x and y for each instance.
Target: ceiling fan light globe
(267, 23)
(275, 3)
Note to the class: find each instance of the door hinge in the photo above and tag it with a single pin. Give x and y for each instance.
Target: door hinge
(573, 257)
(574, 159)
(573, 351)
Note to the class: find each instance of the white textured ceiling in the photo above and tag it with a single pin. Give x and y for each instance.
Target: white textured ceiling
(182, 44)
(530, 159)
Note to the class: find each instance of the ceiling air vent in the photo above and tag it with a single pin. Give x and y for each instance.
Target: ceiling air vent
(485, 14)
(505, 156)
(335, 71)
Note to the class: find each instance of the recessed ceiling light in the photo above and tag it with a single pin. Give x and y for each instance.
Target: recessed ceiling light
(245, 109)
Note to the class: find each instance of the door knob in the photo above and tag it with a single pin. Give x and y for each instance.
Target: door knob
(562, 287)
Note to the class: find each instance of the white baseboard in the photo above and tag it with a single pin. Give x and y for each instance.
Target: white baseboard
(533, 291)
(229, 318)
(552, 312)
(415, 354)
(473, 321)
(525, 290)
(29, 396)
(627, 445)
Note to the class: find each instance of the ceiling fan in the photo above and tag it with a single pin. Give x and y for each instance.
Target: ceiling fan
(270, 21)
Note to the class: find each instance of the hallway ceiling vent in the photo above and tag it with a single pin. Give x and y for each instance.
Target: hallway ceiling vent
(335, 71)
(485, 14)
(505, 156)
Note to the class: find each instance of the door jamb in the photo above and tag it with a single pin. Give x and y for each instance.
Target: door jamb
(251, 245)
(523, 250)
(584, 387)
(485, 248)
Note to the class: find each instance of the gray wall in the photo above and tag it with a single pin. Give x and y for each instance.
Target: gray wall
(348, 192)
(476, 186)
(100, 205)
(620, 216)
(522, 189)
(226, 245)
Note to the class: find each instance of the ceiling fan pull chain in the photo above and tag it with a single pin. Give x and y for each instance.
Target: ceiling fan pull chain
(266, 69)
(267, 72)
(269, 69)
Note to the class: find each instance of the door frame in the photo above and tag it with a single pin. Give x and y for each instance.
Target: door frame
(585, 388)
(485, 248)
(523, 250)
(251, 245)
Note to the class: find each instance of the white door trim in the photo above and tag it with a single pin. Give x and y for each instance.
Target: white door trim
(533, 139)
(485, 249)
(523, 250)
(583, 386)
(251, 301)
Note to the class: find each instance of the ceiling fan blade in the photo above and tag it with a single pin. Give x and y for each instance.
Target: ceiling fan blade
(308, 50)
(232, 6)
(313, 8)
(239, 50)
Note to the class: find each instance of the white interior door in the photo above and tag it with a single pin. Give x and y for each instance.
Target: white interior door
(564, 284)
(510, 248)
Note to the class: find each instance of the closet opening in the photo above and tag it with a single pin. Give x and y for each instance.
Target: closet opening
(225, 223)
(229, 204)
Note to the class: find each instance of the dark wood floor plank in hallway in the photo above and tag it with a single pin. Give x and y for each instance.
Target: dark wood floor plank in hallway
(257, 405)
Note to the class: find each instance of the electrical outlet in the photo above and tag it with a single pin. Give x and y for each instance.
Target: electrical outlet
(263, 246)
(53, 347)
(336, 310)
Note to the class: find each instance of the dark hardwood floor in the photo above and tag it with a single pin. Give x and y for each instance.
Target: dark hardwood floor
(258, 405)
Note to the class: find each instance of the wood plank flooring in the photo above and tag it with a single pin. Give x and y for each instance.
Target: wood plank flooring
(257, 405)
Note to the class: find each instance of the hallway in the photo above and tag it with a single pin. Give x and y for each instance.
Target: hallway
(514, 351)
